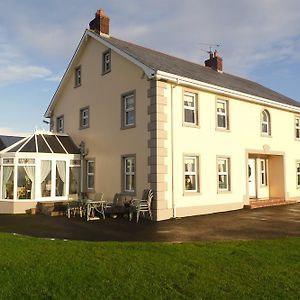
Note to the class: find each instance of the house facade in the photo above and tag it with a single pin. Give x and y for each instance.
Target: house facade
(205, 141)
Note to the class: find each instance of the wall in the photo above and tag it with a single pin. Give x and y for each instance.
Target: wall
(242, 138)
(104, 139)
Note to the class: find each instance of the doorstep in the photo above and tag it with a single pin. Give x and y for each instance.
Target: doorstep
(258, 203)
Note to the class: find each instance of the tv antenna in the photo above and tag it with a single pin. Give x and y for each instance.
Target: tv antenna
(210, 46)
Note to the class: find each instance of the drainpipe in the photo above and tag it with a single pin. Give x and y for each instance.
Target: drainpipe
(82, 155)
(172, 152)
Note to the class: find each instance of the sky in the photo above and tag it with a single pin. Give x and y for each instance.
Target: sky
(259, 40)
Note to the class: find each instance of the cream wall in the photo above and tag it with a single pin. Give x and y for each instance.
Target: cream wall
(105, 140)
(242, 138)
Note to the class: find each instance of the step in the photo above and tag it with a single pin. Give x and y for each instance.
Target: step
(268, 203)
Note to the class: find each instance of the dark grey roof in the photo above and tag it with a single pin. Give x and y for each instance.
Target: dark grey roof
(7, 140)
(163, 62)
(47, 143)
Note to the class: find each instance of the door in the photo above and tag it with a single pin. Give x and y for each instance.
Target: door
(251, 178)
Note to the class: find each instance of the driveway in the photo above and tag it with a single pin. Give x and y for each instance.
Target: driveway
(263, 223)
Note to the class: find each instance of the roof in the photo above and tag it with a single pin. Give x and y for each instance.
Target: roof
(47, 142)
(7, 140)
(159, 61)
(155, 63)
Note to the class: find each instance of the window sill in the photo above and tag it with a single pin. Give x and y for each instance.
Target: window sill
(190, 125)
(221, 129)
(128, 127)
(105, 72)
(76, 86)
(85, 127)
(265, 135)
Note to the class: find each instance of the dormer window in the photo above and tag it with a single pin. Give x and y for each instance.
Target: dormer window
(265, 122)
(106, 62)
(78, 76)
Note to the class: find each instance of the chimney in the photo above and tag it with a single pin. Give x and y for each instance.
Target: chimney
(215, 61)
(101, 23)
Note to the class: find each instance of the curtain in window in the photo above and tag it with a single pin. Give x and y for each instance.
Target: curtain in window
(61, 167)
(30, 171)
(7, 171)
(45, 169)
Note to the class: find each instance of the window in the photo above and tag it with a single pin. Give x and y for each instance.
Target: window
(74, 179)
(78, 76)
(8, 178)
(297, 127)
(60, 178)
(60, 124)
(106, 62)
(90, 174)
(190, 108)
(298, 174)
(26, 178)
(129, 174)
(263, 172)
(223, 174)
(191, 173)
(84, 118)
(46, 178)
(265, 122)
(222, 114)
(128, 110)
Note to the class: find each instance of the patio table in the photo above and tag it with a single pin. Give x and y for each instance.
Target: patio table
(92, 206)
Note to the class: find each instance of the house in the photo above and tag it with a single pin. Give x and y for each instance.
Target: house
(205, 141)
(41, 167)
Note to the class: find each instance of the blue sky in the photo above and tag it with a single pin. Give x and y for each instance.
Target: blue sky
(260, 40)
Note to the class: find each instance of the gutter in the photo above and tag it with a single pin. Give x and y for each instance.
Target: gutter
(161, 75)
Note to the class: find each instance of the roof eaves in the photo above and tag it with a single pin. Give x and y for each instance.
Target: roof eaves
(221, 90)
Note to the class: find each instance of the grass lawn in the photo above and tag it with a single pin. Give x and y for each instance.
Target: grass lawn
(33, 268)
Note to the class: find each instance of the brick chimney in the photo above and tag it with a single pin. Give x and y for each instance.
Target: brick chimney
(101, 23)
(215, 61)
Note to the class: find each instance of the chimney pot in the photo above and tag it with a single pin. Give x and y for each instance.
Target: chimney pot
(215, 61)
(100, 23)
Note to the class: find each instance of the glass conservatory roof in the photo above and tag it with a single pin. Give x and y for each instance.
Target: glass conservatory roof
(44, 142)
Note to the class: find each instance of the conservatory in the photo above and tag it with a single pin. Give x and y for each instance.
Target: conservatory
(44, 166)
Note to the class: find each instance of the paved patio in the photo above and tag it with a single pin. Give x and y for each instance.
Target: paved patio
(263, 223)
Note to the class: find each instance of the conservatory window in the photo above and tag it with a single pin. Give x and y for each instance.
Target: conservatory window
(60, 178)
(46, 182)
(8, 181)
(26, 179)
(74, 177)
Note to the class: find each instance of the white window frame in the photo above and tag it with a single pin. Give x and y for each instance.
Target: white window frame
(191, 173)
(224, 173)
(263, 172)
(84, 117)
(297, 128)
(60, 124)
(193, 109)
(90, 174)
(106, 60)
(127, 110)
(77, 76)
(222, 114)
(130, 173)
(267, 123)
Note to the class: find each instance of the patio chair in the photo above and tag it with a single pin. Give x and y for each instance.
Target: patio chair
(142, 205)
(73, 208)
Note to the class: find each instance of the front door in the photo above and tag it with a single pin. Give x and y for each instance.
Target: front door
(251, 178)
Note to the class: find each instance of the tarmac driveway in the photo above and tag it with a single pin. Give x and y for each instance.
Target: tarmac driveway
(263, 223)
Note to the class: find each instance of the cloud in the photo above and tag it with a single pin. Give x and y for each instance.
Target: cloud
(14, 68)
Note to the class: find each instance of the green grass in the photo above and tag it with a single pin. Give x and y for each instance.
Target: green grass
(43, 269)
